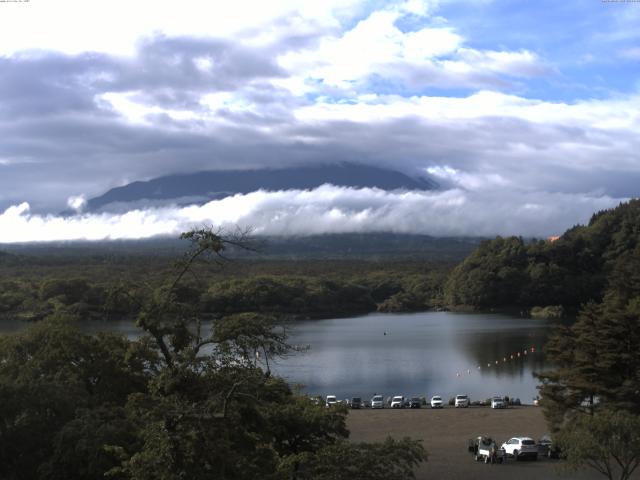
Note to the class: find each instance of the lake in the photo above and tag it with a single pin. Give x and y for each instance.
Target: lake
(420, 354)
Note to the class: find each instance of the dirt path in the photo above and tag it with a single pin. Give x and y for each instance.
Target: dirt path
(445, 433)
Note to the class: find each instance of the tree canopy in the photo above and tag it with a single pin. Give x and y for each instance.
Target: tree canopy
(570, 270)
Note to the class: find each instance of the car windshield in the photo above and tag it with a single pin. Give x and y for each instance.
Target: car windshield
(331, 399)
(377, 398)
(461, 397)
(528, 442)
(356, 399)
(437, 399)
(397, 399)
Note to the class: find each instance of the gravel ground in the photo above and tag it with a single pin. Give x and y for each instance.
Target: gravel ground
(445, 433)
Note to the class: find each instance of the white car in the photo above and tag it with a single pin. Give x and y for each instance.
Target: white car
(521, 447)
(397, 402)
(462, 401)
(377, 401)
(331, 400)
(436, 401)
(498, 402)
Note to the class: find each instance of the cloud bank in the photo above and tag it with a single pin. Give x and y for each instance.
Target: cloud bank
(327, 209)
(537, 109)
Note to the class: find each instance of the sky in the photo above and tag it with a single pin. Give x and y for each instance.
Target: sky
(525, 113)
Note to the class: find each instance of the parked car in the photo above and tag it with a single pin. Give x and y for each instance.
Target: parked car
(436, 401)
(356, 403)
(415, 402)
(521, 447)
(498, 402)
(397, 402)
(485, 449)
(547, 448)
(331, 401)
(462, 401)
(377, 401)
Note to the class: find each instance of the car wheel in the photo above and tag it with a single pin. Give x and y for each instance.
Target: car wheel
(515, 454)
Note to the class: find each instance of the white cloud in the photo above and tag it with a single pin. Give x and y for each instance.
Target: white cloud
(77, 202)
(327, 209)
(450, 177)
(519, 64)
(616, 113)
(74, 26)
(126, 105)
(427, 56)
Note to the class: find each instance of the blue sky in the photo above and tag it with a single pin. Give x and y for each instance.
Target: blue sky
(585, 41)
(533, 105)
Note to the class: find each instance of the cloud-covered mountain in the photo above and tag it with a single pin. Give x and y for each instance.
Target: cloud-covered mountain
(201, 187)
(525, 133)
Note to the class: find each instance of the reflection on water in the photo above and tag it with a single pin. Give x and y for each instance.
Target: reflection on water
(421, 354)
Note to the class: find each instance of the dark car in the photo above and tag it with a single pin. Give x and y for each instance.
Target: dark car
(356, 402)
(415, 402)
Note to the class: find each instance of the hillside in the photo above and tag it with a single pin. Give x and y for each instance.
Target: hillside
(569, 271)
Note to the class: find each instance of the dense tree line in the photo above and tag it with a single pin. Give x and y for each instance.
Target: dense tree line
(568, 271)
(294, 288)
(177, 403)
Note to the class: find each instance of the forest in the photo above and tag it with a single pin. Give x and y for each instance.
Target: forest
(567, 271)
(109, 287)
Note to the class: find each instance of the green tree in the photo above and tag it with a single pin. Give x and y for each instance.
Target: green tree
(608, 443)
(49, 376)
(365, 461)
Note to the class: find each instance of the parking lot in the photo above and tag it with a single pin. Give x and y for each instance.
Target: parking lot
(445, 433)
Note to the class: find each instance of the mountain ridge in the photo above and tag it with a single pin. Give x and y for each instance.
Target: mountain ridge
(204, 186)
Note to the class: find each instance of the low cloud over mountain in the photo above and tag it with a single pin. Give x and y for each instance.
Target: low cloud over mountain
(198, 188)
(324, 210)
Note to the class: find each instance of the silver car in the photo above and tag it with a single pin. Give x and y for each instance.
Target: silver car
(377, 401)
(498, 402)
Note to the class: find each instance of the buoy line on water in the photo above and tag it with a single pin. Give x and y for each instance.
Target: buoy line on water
(514, 356)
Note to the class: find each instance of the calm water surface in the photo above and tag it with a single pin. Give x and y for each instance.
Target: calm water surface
(421, 354)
